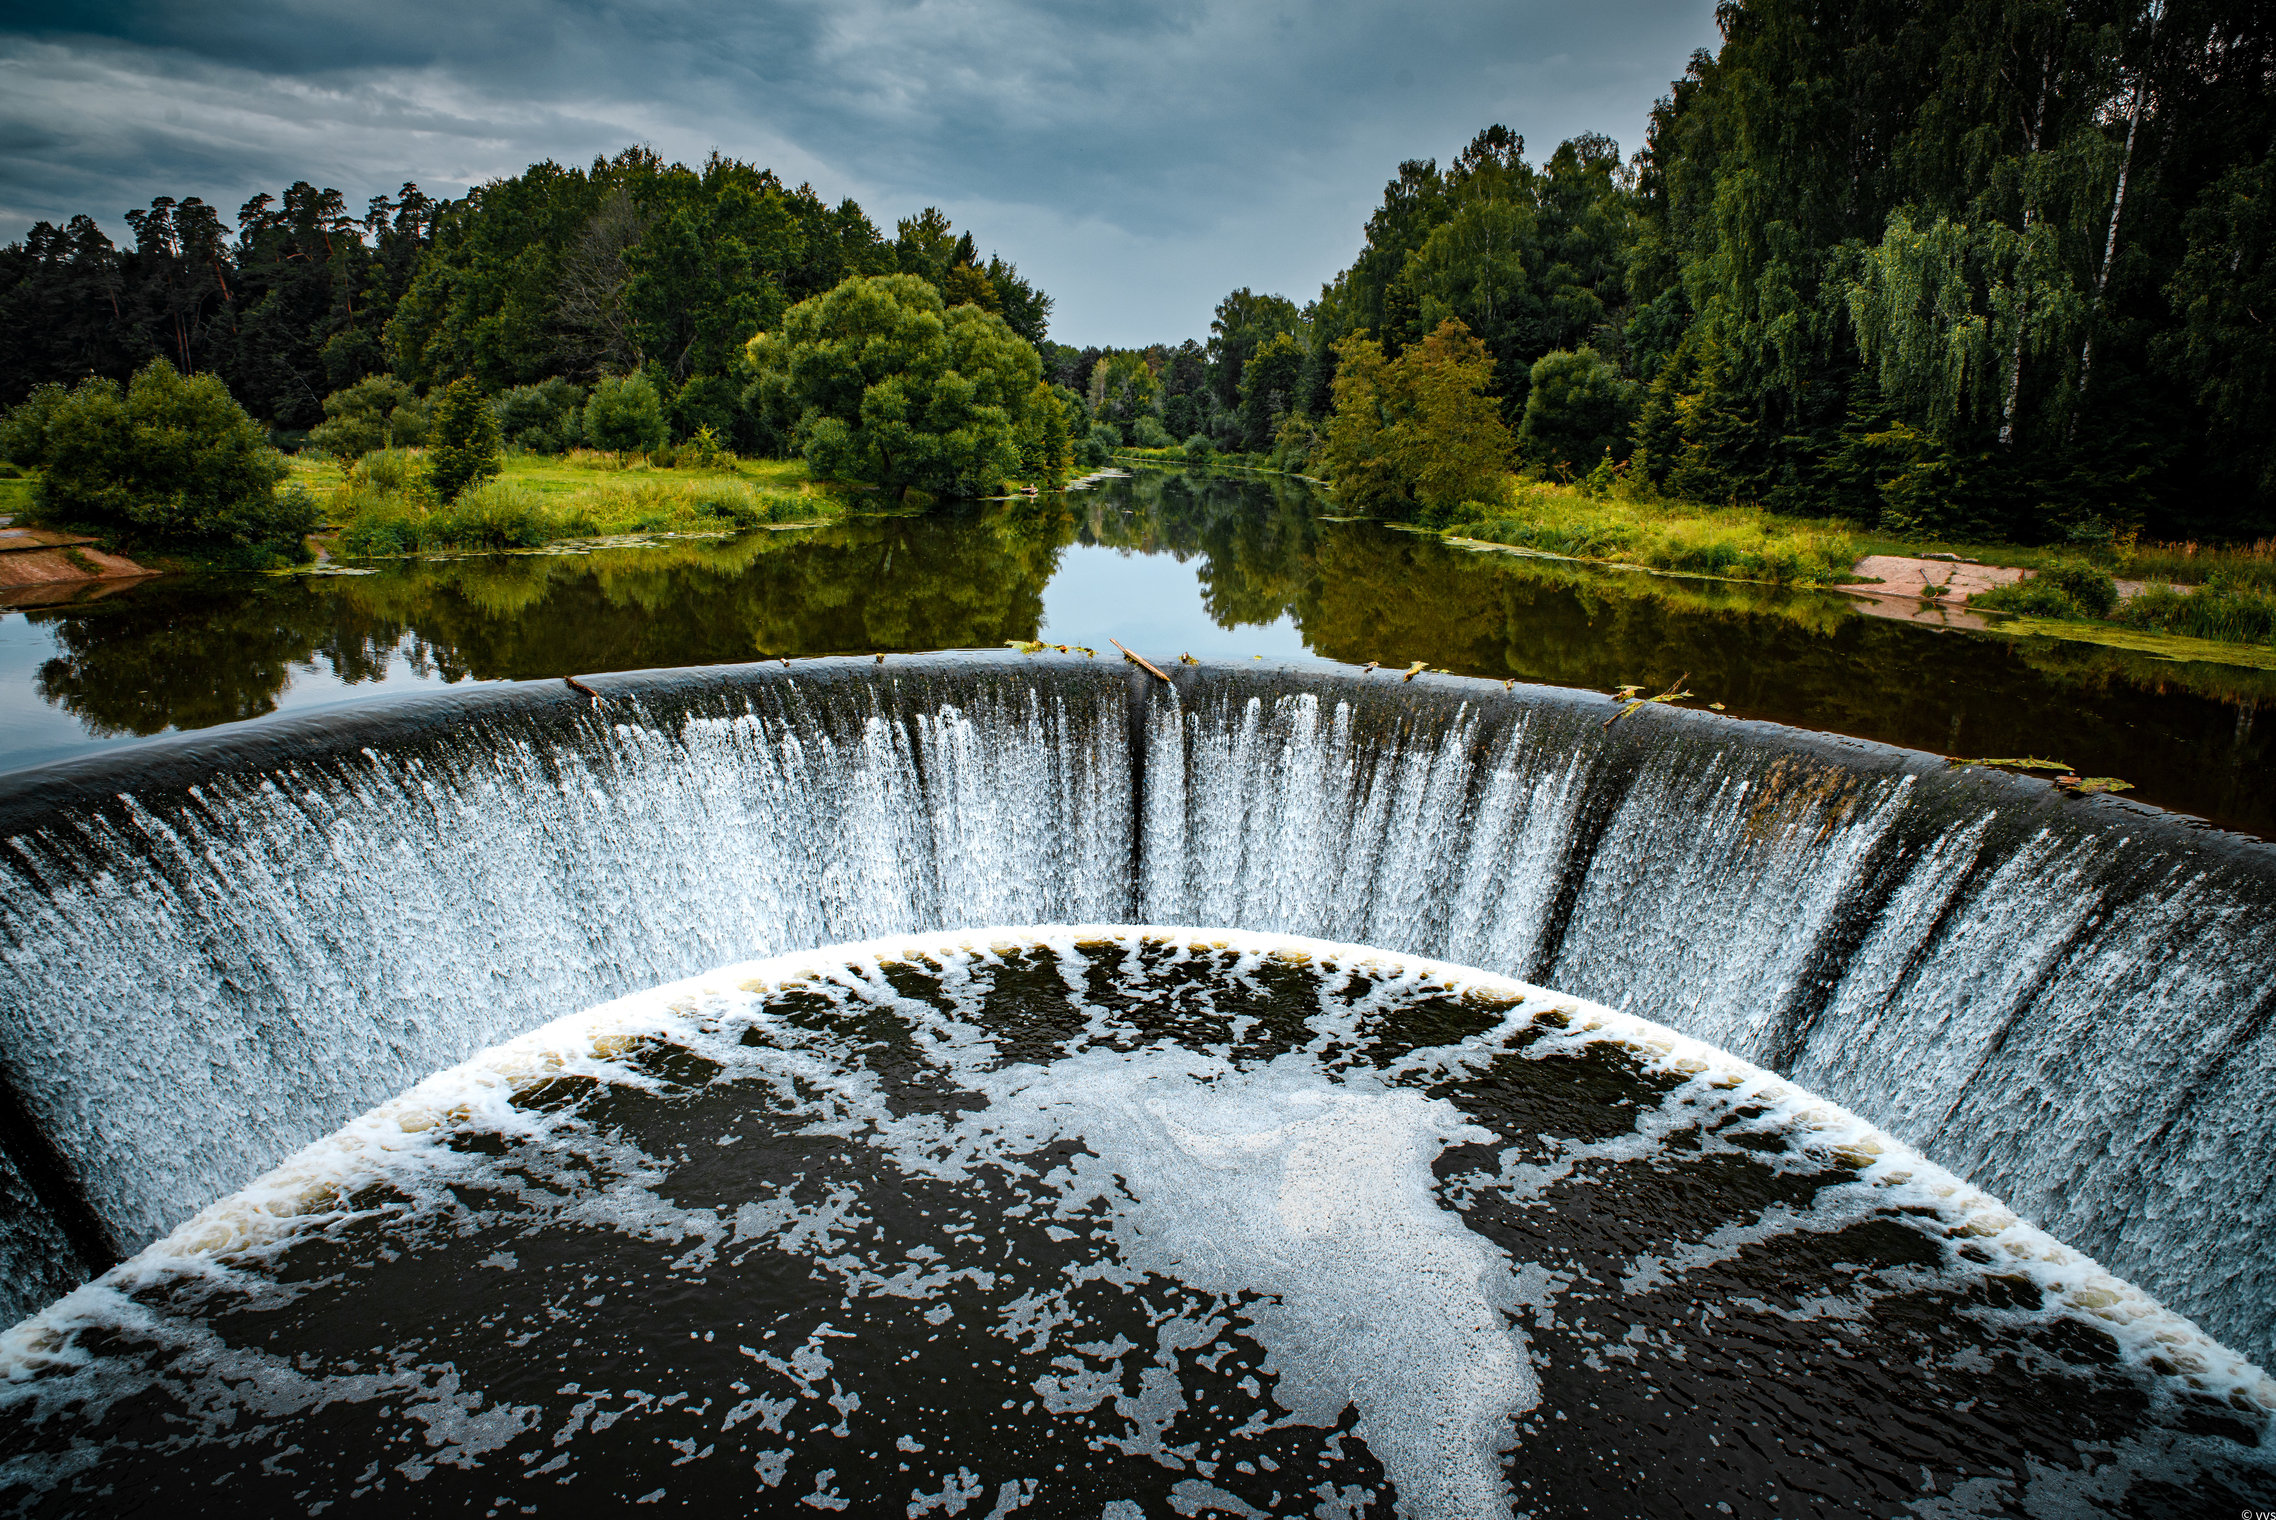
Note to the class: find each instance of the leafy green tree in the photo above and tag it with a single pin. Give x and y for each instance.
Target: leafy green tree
(1244, 320)
(380, 412)
(1421, 431)
(624, 415)
(1576, 408)
(892, 386)
(1047, 444)
(167, 459)
(462, 440)
(1268, 387)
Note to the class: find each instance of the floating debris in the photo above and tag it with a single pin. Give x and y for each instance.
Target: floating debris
(1138, 660)
(1027, 646)
(2087, 786)
(1674, 693)
(1413, 670)
(2025, 763)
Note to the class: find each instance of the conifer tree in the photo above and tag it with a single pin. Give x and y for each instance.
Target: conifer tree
(462, 440)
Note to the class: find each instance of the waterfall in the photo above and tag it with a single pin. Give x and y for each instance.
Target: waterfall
(213, 950)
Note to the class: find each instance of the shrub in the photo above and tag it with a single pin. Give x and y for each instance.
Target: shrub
(539, 419)
(2225, 608)
(708, 402)
(462, 447)
(384, 470)
(2060, 591)
(2089, 587)
(1150, 434)
(23, 431)
(168, 458)
(624, 415)
(1577, 409)
(1199, 447)
(379, 523)
(375, 413)
(492, 516)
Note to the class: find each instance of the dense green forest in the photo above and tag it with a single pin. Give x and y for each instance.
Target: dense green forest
(630, 267)
(1989, 269)
(1979, 268)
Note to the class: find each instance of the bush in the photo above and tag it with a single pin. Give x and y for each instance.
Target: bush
(2061, 591)
(2223, 608)
(1150, 434)
(539, 419)
(624, 415)
(891, 387)
(169, 458)
(1199, 447)
(2089, 587)
(462, 447)
(492, 516)
(1577, 409)
(385, 470)
(23, 432)
(1105, 437)
(376, 413)
(708, 401)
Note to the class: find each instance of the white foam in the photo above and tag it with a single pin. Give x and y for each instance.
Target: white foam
(1286, 1192)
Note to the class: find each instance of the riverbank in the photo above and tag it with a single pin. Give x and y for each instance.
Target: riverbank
(375, 510)
(2183, 601)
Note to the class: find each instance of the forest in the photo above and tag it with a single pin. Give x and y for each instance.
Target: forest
(1979, 269)
(632, 266)
(1992, 270)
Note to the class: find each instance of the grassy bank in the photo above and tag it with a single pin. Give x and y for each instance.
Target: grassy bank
(1175, 458)
(379, 511)
(1740, 543)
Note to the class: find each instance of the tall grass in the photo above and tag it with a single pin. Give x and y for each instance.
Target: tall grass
(2250, 565)
(513, 513)
(2227, 607)
(1742, 543)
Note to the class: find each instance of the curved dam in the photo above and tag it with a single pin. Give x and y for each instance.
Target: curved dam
(218, 950)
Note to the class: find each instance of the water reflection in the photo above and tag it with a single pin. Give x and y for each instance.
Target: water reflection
(1257, 569)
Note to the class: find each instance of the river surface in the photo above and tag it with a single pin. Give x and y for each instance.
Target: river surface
(1168, 564)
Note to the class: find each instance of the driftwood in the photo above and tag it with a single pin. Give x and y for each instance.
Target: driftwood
(1139, 660)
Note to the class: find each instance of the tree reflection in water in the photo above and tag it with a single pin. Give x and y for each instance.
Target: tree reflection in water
(191, 652)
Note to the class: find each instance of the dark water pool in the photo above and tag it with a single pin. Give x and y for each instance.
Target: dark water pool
(1165, 563)
(1132, 1222)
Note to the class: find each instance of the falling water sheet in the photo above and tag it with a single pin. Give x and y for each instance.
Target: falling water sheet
(1059, 1220)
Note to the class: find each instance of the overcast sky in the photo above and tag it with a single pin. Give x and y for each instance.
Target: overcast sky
(1137, 160)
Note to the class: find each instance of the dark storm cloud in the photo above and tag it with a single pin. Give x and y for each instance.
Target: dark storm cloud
(1139, 159)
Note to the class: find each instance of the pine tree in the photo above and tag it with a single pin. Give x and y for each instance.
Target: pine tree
(462, 440)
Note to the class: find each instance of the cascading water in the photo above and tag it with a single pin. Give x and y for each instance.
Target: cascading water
(217, 951)
(1123, 1221)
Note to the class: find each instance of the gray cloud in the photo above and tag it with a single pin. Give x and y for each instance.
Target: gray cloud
(1137, 159)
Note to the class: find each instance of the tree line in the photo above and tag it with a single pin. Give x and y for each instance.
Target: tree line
(546, 281)
(1989, 268)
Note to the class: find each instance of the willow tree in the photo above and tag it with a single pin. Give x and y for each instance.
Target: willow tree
(890, 385)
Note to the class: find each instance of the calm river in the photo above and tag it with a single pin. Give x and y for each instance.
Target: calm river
(1168, 564)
